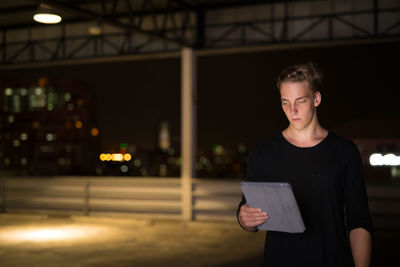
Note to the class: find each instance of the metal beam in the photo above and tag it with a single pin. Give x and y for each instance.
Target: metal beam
(200, 29)
(186, 5)
(18, 9)
(110, 21)
(198, 33)
(204, 52)
(242, 3)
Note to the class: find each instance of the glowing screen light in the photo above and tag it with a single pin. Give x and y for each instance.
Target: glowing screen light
(377, 159)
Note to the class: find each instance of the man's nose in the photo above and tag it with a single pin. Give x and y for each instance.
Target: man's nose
(293, 109)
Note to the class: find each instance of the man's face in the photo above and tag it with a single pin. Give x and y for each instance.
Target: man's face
(299, 103)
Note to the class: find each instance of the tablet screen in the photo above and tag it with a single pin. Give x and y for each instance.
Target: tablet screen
(277, 199)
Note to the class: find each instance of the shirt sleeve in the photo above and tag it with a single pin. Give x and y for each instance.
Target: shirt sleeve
(355, 193)
(242, 202)
(254, 171)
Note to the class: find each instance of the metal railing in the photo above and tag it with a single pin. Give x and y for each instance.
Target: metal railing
(154, 197)
(141, 197)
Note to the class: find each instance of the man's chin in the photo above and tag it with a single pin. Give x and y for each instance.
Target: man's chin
(297, 127)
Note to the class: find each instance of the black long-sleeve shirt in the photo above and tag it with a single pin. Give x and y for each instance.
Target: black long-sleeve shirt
(328, 184)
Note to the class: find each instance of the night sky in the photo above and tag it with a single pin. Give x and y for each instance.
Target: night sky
(237, 97)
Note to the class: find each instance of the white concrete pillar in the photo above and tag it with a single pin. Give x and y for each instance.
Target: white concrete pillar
(188, 128)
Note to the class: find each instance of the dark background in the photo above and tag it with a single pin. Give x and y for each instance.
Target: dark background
(237, 97)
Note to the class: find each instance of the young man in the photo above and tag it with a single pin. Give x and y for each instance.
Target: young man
(325, 172)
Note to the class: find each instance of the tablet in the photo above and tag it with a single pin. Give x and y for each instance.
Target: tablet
(277, 199)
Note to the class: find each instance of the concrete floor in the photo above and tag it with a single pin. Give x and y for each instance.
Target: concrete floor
(32, 240)
(40, 240)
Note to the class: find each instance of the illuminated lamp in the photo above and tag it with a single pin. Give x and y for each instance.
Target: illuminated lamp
(95, 30)
(46, 14)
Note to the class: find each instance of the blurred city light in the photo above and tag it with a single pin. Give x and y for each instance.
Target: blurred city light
(16, 143)
(218, 149)
(124, 168)
(11, 119)
(35, 124)
(94, 132)
(8, 91)
(127, 157)
(67, 96)
(23, 91)
(50, 137)
(115, 157)
(378, 159)
(24, 136)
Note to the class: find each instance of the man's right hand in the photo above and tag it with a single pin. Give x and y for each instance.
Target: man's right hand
(250, 217)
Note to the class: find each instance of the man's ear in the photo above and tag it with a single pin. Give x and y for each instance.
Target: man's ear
(317, 98)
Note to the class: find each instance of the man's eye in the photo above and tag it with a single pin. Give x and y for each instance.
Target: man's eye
(302, 101)
(284, 103)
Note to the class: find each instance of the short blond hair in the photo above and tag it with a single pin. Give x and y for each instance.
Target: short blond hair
(299, 73)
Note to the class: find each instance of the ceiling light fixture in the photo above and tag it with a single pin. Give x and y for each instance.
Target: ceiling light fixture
(46, 14)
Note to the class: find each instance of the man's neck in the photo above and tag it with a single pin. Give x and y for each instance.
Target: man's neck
(306, 137)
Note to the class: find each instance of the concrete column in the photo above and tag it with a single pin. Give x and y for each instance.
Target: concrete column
(188, 129)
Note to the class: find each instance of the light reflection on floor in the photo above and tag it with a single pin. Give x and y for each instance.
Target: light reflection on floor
(43, 233)
(82, 241)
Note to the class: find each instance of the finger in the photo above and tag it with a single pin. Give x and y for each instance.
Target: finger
(253, 213)
(254, 218)
(247, 208)
(255, 222)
